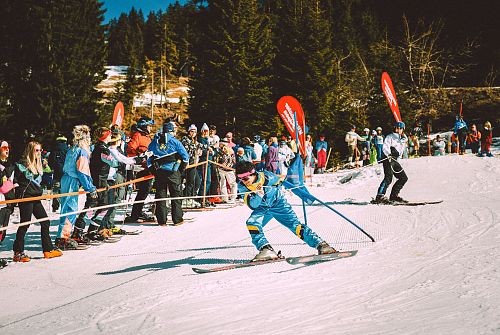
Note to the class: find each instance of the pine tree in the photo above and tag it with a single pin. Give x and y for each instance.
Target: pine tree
(56, 60)
(232, 82)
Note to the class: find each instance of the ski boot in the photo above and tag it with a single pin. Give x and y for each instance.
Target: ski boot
(381, 199)
(396, 198)
(21, 257)
(66, 244)
(53, 253)
(3, 263)
(324, 249)
(266, 253)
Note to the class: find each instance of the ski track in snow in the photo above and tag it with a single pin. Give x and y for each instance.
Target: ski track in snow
(434, 269)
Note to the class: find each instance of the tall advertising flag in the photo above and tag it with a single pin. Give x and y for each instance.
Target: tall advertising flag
(119, 114)
(287, 106)
(390, 95)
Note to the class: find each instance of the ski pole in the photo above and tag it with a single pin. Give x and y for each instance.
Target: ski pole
(345, 218)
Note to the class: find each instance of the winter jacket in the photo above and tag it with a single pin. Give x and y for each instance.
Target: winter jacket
(7, 169)
(57, 157)
(396, 141)
(487, 136)
(138, 144)
(352, 138)
(193, 148)
(100, 162)
(459, 124)
(249, 153)
(167, 153)
(272, 158)
(29, 183)
(321, 145)
(267, 196)
(76, 166)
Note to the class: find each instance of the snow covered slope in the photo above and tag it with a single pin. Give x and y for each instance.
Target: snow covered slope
(433, 269)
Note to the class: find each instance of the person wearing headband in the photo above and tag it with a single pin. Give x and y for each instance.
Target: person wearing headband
(265, 197)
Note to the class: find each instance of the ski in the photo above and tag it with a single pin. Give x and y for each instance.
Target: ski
(320, 258)
(415, 203)
(131, 232)
(310, 259)
(236, 266)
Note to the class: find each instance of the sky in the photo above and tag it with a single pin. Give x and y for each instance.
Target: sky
(115, 7)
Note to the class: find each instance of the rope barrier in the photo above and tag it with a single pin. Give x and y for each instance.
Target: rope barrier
(62, 195)
(57, 216)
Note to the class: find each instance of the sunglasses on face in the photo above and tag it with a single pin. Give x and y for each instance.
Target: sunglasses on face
(5, 148)
(38, 150)
(247, 178)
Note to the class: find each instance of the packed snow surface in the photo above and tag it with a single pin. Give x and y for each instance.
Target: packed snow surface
(433, 269)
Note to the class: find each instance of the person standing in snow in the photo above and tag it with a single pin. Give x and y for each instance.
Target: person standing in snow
(285, 156)
(352, 138)
(6, 186)
(439, 146)
(28, 175)
(310, 159)
(56, 162)
(392, 151)
(76, 171)
(193, 179)
(137, 146)
(226, 160)
(257, 148)
(486, 140)
(272, 155)
(460, 131)
(168, 162)
(321, 148)
(265, 197)
(474, 138)
(116, 175)
(378, 141)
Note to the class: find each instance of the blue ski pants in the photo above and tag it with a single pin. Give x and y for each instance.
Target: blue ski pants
(284, 214)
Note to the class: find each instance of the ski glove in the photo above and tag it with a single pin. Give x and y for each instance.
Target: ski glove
(139, 160)
(394, 152)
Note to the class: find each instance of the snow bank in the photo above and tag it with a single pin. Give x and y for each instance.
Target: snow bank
(432, 270)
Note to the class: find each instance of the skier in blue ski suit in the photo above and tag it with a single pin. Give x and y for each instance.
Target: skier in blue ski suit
(76, 173)
(264, 195)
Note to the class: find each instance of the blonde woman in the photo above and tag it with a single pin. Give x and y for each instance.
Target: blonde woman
(76, 173)
(28, 175)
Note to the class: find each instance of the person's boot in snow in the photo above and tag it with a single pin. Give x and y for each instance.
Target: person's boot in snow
(324, 249)
(3, 263)
(266, 253)
(396, 198)
(381, 199)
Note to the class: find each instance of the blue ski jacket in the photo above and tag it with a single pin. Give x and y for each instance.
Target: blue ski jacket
(268, 196)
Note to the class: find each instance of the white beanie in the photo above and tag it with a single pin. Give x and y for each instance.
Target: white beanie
(192, 127)
(204, 127)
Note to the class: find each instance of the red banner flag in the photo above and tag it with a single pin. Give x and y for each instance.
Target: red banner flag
(460, 108)
(286, 106)
(119, 114)
(390, 95)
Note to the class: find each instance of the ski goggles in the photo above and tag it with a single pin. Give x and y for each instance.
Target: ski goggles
(246, 176)
(5, 147)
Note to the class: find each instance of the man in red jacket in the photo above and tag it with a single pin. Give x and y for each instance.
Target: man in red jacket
(137, 146)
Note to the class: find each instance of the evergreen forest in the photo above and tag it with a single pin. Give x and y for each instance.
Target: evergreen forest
(241, 56)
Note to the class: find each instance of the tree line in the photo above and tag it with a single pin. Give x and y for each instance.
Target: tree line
(241, 56)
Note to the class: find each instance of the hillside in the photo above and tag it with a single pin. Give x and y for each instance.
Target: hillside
(172, 104)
